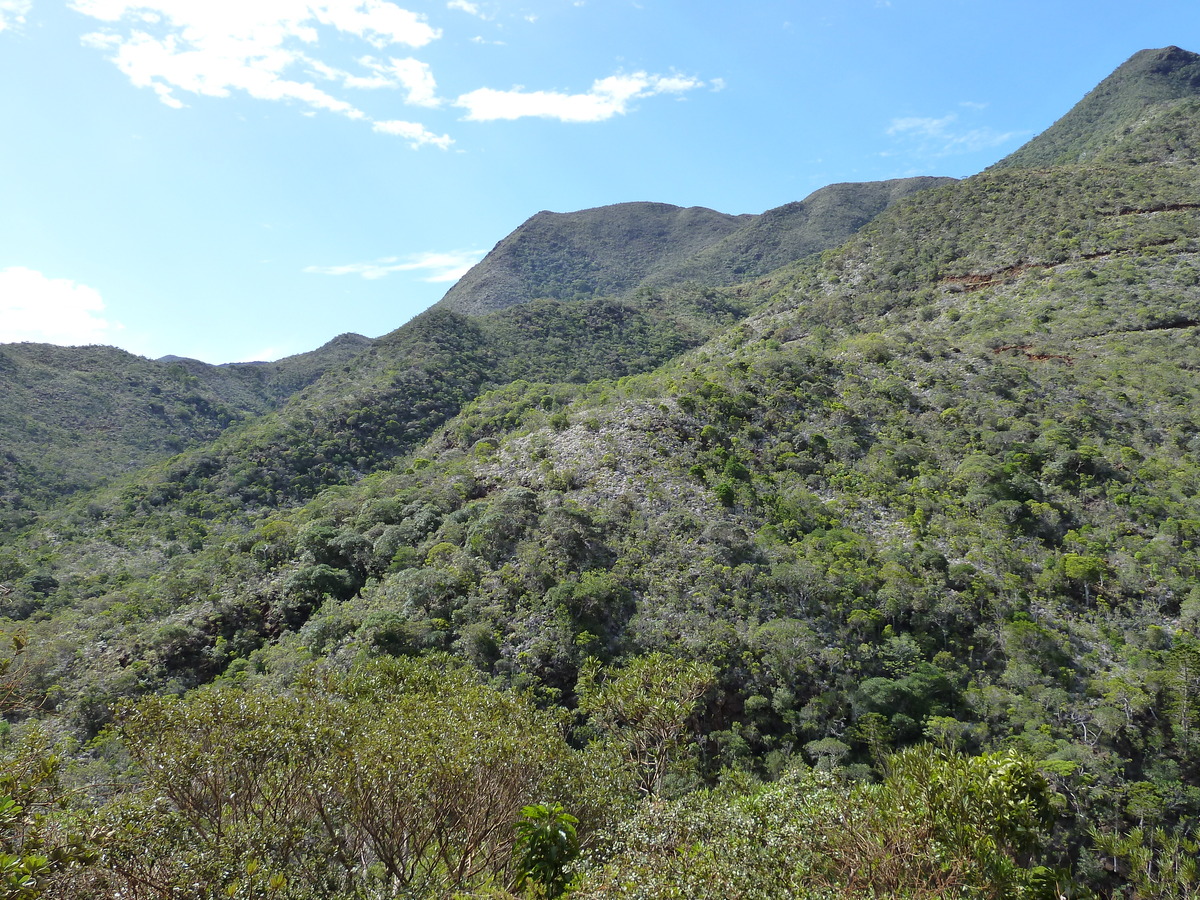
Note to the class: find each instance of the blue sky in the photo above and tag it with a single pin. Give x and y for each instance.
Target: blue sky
(246, 179)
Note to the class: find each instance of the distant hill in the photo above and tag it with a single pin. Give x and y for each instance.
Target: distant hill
(1141, 89)
(73, 417)
(795, 231)
(593, 252)
(337, 422)
(611, 250)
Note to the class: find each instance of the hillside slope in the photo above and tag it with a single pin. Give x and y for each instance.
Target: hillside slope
(824, 219)
(611, 250)
(1146, 83)
(71, 418)
(941, 485)
(75, 418)
(593, 252)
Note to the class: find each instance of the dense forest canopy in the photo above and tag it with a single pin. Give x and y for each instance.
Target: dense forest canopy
(850, 550)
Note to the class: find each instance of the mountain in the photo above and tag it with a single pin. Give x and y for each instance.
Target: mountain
(594, 252)
(894, 546)
(794, 231)
(612, 250)
(338, 413)
(1149, 83)
(72, 418)
(101, 413)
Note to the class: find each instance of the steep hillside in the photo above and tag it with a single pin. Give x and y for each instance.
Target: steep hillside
(943, 486)
(795, 231)
(1140, 89)
(72, 418)
(594, 252)
(75, 418)
(916, 541)
(612, 250)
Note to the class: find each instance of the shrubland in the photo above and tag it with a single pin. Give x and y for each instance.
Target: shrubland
(874, 577)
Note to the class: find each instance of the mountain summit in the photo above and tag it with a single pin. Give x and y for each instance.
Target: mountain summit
(1149, 84)
(613, 250)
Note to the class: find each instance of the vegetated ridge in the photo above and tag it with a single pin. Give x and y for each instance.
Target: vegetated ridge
(611, 250)
(1146, 85)
(878, 580)
(67, 428)
(72, 418)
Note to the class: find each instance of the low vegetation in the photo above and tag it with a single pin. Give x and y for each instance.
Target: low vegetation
(873, 577)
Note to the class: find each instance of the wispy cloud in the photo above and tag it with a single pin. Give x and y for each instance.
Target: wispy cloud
(176, 48)
(13, 12)
(414, 76)
(467, 7)
(35, 307)
(928, 127)
(415, 133)
(608, 97)
(439, 267)
(946, 136)
(295, 51)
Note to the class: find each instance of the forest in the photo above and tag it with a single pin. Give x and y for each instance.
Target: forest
(848, 551)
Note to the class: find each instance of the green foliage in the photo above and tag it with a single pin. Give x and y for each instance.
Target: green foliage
(942, 485)
(1156, 864)
(644, 709)
(39, 847)
(547, 844)
(938, 825)
(399, 773)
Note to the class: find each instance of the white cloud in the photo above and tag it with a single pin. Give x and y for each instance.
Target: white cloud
(608, 97)
(34, 307)
(13, 12)
(441, 267)
(218, 47)
(928, 127)
(469, 8)
(415, 133)
(945, 137)
(411, 74)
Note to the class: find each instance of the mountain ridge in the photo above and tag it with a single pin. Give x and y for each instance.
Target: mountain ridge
(1147, 80)
(930, 498)
(613, 250)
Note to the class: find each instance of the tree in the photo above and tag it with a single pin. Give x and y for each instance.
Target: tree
(546, 844)
(643, 710)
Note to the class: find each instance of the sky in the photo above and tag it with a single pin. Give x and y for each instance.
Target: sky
(236, 180)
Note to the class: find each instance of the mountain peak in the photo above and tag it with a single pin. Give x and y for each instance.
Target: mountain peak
(1147, 84)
